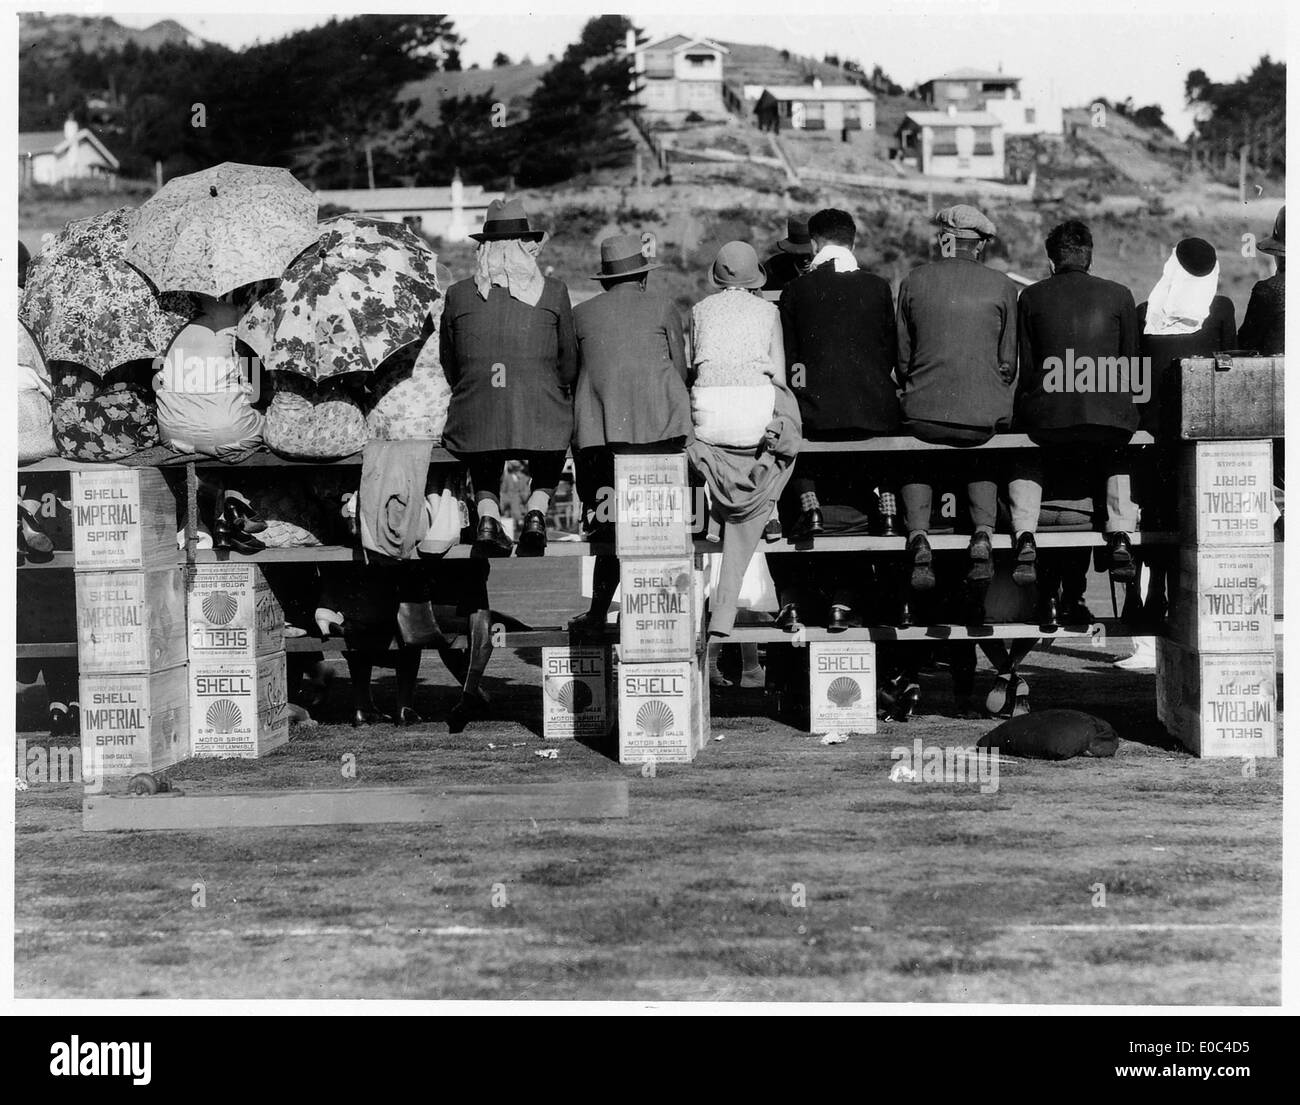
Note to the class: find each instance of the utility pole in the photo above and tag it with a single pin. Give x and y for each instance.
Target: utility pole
(1242, 155)
(370, 167)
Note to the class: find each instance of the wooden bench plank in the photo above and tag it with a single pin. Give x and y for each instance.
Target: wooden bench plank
(357, 806)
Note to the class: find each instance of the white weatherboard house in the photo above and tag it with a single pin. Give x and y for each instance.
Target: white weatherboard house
(954, 143)
(450, 213)
(818, 106)
(53, 156)
(681, 74)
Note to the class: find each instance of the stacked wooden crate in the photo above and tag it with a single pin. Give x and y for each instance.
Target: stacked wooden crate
(662, 675)
(130, 602)
(1215, 674)
(237, 686)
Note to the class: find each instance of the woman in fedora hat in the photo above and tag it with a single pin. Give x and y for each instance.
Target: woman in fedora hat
(509, 353)
(631, 394)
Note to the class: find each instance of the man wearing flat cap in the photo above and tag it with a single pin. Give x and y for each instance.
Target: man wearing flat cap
(956, 322)
(631, 393)
(793, 256)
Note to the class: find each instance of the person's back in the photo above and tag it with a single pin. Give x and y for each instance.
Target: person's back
(840, 327)
(631, 368)
(957, 343)
(1070, 316)
(731, 336)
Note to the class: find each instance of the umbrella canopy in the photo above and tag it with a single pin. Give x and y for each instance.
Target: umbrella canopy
(362, 294)
(217, 229)
(85, 304)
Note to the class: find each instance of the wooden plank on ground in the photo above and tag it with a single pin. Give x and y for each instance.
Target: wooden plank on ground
(357, 806)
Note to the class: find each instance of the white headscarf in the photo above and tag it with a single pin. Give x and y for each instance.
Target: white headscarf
(1180, 302)
(512, 264)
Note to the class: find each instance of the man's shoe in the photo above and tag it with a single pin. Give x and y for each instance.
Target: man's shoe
(904, 618)
(490, 539)
(362, 718)
(788, 619)
(1025, 573)
(407, 716)
(922, 558)
(981, 558)
(532, 540)
(842, 618)
(1074, 612)
(1123, 566)
(1047, 613)
(809, 525)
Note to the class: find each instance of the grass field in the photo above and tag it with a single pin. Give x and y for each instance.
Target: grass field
(910, 892)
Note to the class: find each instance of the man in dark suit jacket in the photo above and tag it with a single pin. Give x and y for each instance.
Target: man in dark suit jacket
(837, 321)
(1080, 382)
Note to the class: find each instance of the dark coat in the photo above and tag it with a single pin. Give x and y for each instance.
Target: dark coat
(782, 268)
(1070, 315)
(839, 326)
(1218, 332)
(957, 344)
(631, 369)
(511, 368)
(1264, 327)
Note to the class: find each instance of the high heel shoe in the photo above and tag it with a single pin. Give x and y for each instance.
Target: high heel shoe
(36, 541)
(238, 513)
(226, 537)
(329, 622)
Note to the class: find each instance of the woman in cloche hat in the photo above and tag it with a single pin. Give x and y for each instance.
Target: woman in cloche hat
(508, 351)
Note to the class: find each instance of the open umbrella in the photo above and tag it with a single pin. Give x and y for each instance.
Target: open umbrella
(219, 228)
(85, 304)
(364, 292)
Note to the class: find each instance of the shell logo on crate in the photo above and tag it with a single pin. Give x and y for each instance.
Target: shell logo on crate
(237, 706)
(655, 712)
(573, 692)
(233, 612)
(842, 686)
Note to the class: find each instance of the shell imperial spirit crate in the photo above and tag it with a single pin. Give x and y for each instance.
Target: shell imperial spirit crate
(1226, 493)
(238, 707)
(575, 692)
(1221, 599)
(132, 723)
(657, 609)
(130, 621)
(1217, 705)
(232, 613)
(652, 505)
(123, 518)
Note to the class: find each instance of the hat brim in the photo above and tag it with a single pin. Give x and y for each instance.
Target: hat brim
(787, 246)
(647, 267)
(1271, 245)
(525, 235)
(757, 282)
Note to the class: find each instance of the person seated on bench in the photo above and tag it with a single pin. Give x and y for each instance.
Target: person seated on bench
(204, 383)
(793, 256)
(1078, 396)
(509, 353)
(956, 324)
(840, 352)
(631, 392)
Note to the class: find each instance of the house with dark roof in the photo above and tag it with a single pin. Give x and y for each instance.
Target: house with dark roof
(994, 92)
(681, 74)
(53, 156)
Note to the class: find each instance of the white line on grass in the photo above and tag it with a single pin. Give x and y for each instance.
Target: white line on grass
(1208, 926)
(272, 934)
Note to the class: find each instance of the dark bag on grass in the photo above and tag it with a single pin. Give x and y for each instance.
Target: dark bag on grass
(1052, 735)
